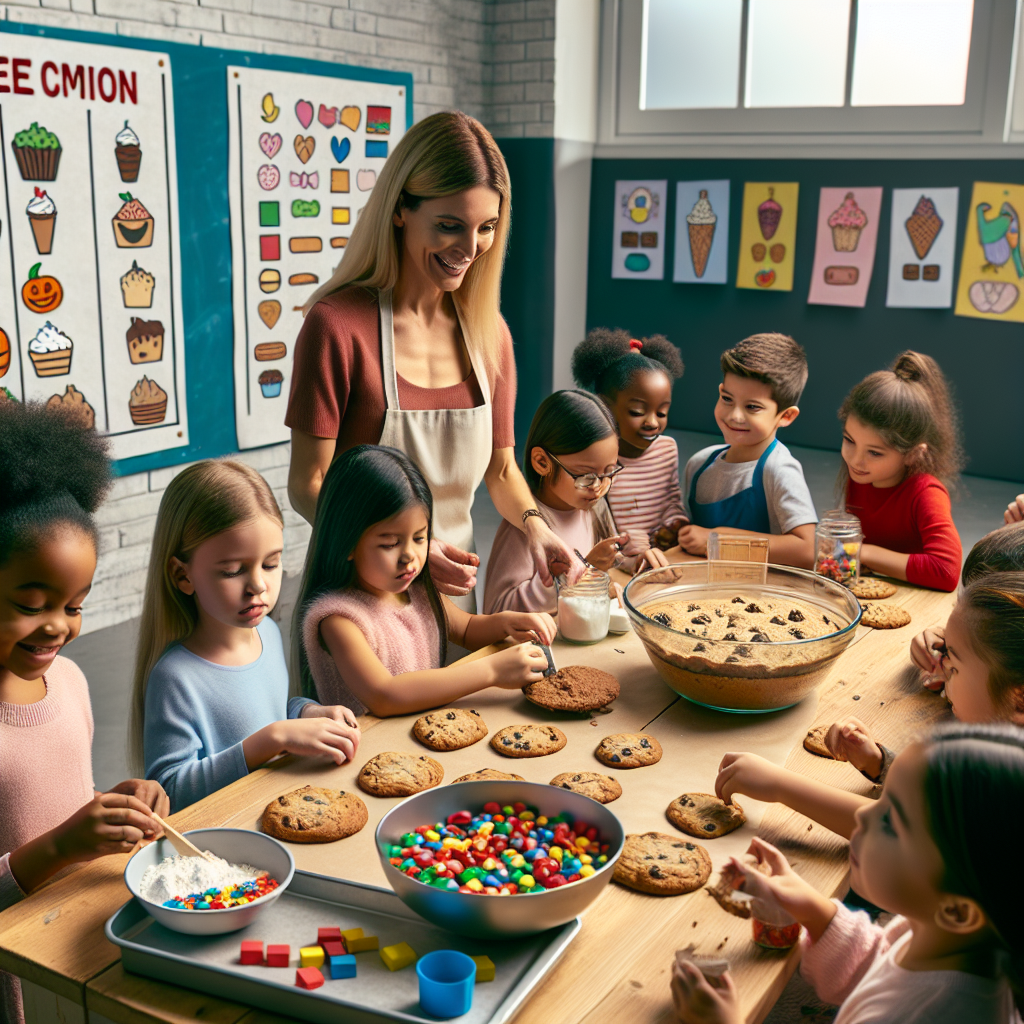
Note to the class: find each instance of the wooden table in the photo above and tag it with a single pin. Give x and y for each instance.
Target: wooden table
(617, 968)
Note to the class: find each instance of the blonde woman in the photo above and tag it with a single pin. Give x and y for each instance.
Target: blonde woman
(405, 346)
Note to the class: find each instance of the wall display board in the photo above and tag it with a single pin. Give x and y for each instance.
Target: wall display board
(844, 253)
(638, 230)
(702, 232)
(768, 235)
(90, 270)
(305, 151)
(922, 247)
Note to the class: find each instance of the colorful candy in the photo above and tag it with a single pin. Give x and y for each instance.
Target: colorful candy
(776, 936)
(222, 899)
(503, 851)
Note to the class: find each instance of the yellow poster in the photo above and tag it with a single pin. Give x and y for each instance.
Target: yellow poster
(768, 236)
(992, 269)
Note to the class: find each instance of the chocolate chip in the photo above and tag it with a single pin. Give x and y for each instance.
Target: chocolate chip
(759, 638)
(615, 758)
(472, 712)
(654, 871)
(731, 659)
(709, 827)
(576, 778)
(565, 785)
(690, 846)
(796, 616)
(518, 735)
(752, 608)
(506, 741)
(699, 647)
(308, 799)
(778, 620)
(797, 633)
(693, 608)
(645, 744)
(825, 617)
(701, 620)
(742, 651)
(738, 600)
(286, 821)
(663, 618)
(627, 751)
(730, 636)
(450, 716)
(281, 800)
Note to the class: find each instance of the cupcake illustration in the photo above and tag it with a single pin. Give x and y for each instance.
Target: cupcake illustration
(270, 383)
(128, 153)
(137, 287)
(37, 152)
(769, 213)
(700, 222)
(133, 225)
(42, 217)
(145, 340)
(148, 403)
(50, 351)
(847, 222)
(73, 403)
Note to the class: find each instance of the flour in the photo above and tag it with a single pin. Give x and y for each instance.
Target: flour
(182, 876)
(583, 619)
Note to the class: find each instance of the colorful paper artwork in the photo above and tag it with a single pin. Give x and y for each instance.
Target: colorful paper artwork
(768, 236)
(922, 247)
(992, 267)
(638, 230)
(702, 232)
(844, 251)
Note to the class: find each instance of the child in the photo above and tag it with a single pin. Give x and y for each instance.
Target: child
(754, 486)
(984, 665)
(955, 953)
(54, 476)
(373, 629)
(900, 448)
(211, 680)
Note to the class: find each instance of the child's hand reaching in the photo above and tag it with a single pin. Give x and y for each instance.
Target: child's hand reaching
(146, 791)
(750, 774)
(698, 1002)
(1015, 510)
(849, 740)
(694, 539)
(309, 737)
(515, 667)
(112, 823)
(335, 712)
(604, 554)
(524, 626)
(926, 652)
(667, 535)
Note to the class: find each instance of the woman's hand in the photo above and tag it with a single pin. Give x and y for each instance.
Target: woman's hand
(1014, 511)
(523, 626)
(335, 712)
(148, 792)
(750, 774)
(605, 553)
(551, 557)
(849, 740)
(452, 569)
(698, 1002)
(517, 666)
(694, 539)
(926, 652)
(112, 823)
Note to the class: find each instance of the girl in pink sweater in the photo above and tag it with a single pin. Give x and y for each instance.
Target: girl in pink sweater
(372, 630)
(924, 852)
(54, 475)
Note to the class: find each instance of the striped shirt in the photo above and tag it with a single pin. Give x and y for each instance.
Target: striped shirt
(645, 495)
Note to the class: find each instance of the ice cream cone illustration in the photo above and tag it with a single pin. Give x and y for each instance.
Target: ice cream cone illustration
(700, 222)
(128, 153)
(769, 213)
(42, 216)
(847, 222)
(923, 226)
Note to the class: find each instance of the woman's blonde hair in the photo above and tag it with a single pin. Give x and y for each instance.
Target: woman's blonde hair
(200, 502)
(442, 155)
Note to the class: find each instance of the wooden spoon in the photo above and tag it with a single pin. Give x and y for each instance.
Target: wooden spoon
(179, 842)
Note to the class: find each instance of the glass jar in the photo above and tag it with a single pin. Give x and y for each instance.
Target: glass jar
(584, 608)
(837, 541)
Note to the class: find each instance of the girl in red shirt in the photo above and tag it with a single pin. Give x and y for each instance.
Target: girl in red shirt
(901, 448)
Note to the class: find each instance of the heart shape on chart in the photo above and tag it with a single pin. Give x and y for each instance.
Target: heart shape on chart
(366, 179)
(350, 117)
(328, 116)
(270, 144)
(269, 177)
(340, 148)
(304, 147)
(304, 112)
(269, 311)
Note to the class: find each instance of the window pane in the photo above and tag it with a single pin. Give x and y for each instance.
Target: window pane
(796, 53)
(911, 53)
(691, 54)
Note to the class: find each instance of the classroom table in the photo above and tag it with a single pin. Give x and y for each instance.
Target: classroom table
(619, 965)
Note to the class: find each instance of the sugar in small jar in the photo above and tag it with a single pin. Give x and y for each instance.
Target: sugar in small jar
(837, 542)
(584, 608)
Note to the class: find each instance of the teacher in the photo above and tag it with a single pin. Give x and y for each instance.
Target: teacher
(405, 346)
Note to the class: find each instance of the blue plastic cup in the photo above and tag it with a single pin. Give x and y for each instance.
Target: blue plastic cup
(446, 983)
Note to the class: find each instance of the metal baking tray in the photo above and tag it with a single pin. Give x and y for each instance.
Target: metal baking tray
(210, 963)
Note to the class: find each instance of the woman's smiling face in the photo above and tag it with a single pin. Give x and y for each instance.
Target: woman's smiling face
(442, 237)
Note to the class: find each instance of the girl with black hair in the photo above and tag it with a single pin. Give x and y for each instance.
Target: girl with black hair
(54, 476)
(371, 630)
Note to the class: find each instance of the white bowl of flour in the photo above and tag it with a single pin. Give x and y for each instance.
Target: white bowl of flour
(157, 873)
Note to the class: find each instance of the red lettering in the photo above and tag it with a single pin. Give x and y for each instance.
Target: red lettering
(132, 90)
(71, 79)
(106, 73)
(20, 76)
(3, 74)
(47, 68)
(92, 84)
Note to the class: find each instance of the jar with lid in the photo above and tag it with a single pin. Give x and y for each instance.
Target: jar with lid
(584, 608)
(837, 542)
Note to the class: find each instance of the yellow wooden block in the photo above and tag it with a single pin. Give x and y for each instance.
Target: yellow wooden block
(311, 956)
(484, 968)
(340, 215)
(362, 943)
(352, 933)
(397, 957)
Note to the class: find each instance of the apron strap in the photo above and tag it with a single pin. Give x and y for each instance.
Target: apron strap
(387, 350)
(759, 468)
(692, 497)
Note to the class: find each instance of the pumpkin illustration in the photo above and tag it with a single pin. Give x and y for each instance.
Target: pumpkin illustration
(5, 352)
(42, 294)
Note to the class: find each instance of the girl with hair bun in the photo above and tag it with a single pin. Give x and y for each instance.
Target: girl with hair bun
(901, 449)
(634, 378)
(54, 476)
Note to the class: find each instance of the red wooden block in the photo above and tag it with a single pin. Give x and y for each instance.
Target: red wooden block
(333, 947)
(278, 956)
(308, 977)
(252, 953)
(328, 934)
(270, 247)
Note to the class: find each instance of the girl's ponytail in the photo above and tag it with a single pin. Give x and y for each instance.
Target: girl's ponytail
(993, 606)
(607, 360)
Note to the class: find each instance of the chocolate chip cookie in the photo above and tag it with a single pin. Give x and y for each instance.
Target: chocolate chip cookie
(399, 774)
(662, 865)
(602, 788)
(528, 740)
(704, 815)
(574, 688)
(628, 750)
(814, 741)
(314, 815)
(450, 729)
(869, 588)
(884, 616)
(489, 775)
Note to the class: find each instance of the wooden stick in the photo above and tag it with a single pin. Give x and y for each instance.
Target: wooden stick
(179, 842)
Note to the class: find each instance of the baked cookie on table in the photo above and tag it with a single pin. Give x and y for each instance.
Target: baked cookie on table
(399, 774)
(450, 729)
(574, 688)
(489, 775)
(628, 750)
(314, 815)
(602, 788)
(814, 741)
(884, 616)
(870, 588)
(704, 815)
(662, 865)
(528, 740)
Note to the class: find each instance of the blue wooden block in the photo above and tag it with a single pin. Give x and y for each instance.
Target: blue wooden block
(343, 966)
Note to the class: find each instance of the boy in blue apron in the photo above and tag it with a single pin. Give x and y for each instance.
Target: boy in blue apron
(752, 485)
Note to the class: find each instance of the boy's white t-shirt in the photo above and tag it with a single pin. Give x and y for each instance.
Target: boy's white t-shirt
(785, 489)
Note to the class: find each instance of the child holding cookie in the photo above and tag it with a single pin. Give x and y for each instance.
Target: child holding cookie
(54, 476)
(901, 448)
(370, 626)
(211, 679)
(634, 378)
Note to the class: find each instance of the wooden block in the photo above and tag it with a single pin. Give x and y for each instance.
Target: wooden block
(327, 933)
(308, 977)
(351, 933)
(311, 956)
(304, 243)
(278, 956)
(333, 947)
(252, 953)
(339, 180)
(362, 943)
(343, 966)
(484, 968)
(398, 956)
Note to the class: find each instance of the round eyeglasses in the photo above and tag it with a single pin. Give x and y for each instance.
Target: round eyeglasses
(587, 481)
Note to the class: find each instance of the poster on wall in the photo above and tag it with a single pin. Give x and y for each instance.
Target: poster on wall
(702, 232)
(638, 233)
(922, 247)
(90, 271)
(304, 154)
(992, 267)
(768, 236)
(844, 251)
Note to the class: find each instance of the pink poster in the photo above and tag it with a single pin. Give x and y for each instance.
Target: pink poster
(845, 251)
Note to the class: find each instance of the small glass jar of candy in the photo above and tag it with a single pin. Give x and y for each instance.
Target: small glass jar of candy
(837, 541)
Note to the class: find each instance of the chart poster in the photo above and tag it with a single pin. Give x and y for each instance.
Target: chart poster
(638, 235)
(702, 232)
(845, 242)
(922, 247)
(304, 154)
(90, 272)
(768, 236)
(992, 267)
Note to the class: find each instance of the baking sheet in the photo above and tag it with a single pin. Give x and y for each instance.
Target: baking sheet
(210, 963)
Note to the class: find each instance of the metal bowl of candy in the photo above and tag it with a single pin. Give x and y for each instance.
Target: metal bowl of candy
(205, 909)
(510, 851)
(741, 636)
